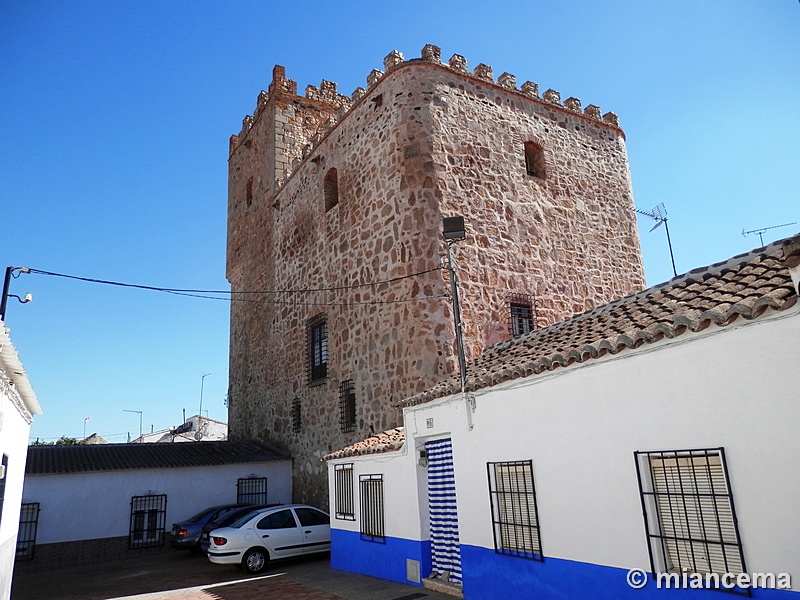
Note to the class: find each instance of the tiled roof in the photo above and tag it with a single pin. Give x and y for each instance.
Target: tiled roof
(745, 287)
(51, 460)
(382, 442)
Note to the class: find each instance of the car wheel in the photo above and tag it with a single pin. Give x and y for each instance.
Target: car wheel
(255, 560)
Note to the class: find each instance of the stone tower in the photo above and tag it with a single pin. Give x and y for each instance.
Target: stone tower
(340, 304)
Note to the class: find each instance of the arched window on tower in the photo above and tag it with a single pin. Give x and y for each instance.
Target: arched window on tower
(534, 160)
(331, 189)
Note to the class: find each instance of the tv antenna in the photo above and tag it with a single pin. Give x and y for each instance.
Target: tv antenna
(659, 214)
(761, 231)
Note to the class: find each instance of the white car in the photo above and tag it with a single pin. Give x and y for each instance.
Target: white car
(275, 532)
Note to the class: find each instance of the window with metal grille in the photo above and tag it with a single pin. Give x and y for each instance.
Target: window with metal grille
(297, 416)
(689, 516)
(371, 487)
(148, 518)
(318, 348)
(514, 516)
(3, 477)
(251, 490)
(535, 164)
(347, 405)
(331, 187)
(343, 490)
(521, 314)
(28, 525)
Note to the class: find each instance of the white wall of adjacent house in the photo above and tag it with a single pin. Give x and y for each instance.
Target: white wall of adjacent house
(733, 387)
(14, 431)
(84, 506)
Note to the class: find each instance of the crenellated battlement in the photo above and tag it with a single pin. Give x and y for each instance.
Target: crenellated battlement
(338, 105)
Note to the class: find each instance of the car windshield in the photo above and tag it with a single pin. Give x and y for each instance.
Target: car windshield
(232, 517)
(199, 516)
(242, 520)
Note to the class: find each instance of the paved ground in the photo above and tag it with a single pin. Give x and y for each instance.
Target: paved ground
(187, 576)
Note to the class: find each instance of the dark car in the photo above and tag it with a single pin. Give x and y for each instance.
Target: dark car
(225, 521)
(186, 534)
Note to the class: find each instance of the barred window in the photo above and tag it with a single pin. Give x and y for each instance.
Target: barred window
(28, 525)
(522, 314)
(343, 490)
(689, 516)
(297, 422)
(514, 516)
(3, 477)
(347, 405)
(251, 490)
(148, 518)
(372, 508)
(535, 165)
(317, 348)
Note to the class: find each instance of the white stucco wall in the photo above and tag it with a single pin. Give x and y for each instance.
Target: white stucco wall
(404, 493)
(85, 506)
(14, 432)
(734, 387)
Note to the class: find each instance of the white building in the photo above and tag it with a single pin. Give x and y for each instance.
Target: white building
(109, 501)
(657, 433)
(18, 404)
(193, 429)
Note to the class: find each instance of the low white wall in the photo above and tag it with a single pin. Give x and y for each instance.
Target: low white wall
(85, 506)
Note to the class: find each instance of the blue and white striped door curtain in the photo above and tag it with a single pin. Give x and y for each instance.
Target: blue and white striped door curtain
(445, 546)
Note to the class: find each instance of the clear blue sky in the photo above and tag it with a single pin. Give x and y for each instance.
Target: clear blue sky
(114, 126)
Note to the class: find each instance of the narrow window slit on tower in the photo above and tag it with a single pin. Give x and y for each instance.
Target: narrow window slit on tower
(331, 189)
(534, 160)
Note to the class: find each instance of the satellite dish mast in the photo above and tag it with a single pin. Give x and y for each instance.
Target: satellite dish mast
(761, 231)
(659, 214)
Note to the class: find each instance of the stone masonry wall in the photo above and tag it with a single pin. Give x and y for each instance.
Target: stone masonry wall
(425, 140)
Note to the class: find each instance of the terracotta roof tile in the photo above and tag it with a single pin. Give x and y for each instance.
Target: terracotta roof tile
(743, 287)
(382, 442)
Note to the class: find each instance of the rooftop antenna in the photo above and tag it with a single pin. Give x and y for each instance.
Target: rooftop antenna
(761, 231)
(659, 213)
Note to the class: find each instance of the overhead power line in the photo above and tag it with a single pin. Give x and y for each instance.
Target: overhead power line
(230, 295)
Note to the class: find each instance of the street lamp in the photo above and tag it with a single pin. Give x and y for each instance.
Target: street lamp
(200, 414)
(140, 421)
(454, 231)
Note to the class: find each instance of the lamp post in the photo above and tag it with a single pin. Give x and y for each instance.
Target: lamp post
(454, 231)
(202, 381)
(140, 421)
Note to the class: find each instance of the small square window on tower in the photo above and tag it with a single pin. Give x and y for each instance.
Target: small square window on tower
(534, 160)
(522, 314)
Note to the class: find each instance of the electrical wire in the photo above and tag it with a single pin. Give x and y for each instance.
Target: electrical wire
(231, 296)
(196, 291)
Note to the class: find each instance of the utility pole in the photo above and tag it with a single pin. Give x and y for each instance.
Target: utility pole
(6, 284)
(454, 231)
